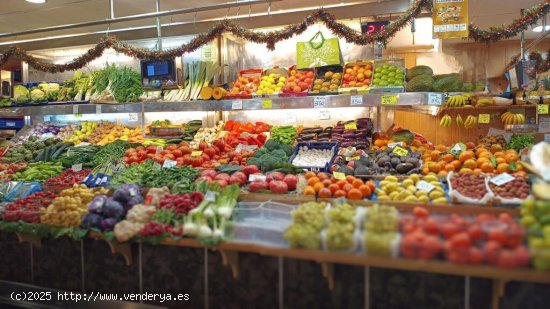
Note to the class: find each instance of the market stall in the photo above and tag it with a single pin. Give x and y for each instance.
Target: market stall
(334, 174)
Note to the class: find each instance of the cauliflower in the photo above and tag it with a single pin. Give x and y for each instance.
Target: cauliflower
(51, 90)
(20, 91)
(38, 95)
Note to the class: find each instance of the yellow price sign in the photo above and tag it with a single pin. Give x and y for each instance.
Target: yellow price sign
(351, 126)
(400, 151)
(339, 175)
(267, 104)
(542, 109)
(388, 99)
(484, 118)
(196, 153)
(355, 158)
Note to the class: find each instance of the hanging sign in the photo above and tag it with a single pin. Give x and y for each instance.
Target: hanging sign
(450, 19)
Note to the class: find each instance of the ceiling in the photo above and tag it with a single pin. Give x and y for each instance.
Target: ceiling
(19, 15)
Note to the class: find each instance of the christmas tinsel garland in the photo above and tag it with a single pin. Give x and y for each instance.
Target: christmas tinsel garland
(271, 38)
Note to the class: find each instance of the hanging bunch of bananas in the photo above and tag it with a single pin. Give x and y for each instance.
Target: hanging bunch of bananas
(459, 121)
(511, 118)
(470, 122)
(445, 121)
(459, 100)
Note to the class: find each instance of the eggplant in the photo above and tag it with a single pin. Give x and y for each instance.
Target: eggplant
(308, 136)
(348, 135)
(328, 129)
(347, 144)
(361, 136)
(324, 135)
(317, 131)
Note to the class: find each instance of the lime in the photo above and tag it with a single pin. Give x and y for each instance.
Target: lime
(383, 83)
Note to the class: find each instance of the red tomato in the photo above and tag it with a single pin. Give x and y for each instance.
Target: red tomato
(133, 159)
(185, 150)
(151, 149)
(140, 148)
(171, 147)
(126, 160)
(177, 153)
(169, 156)
(498, 235)
(129, 152)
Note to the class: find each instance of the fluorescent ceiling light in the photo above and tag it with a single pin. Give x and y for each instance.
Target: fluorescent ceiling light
(539, 29)
(36, 1)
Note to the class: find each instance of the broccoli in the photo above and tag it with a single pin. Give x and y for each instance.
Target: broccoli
(287, 149)
(254, 161)
(260, 152)
(272, 144)
(279, 153)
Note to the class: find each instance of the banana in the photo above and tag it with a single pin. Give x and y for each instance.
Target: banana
(456, 101)
(470, 122)
(442, 122)
(459, 121)
(511, 119)
(445, 121)
(485, 102)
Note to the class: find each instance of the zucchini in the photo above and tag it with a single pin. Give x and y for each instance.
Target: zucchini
(60, 150)
(40, 155)
(174, 141)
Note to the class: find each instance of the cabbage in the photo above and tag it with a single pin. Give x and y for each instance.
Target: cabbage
(19, 91)
(23, 99)
(108, 223)
(96, 205)
(122, 196)
(91, 220)
(132, 189)
(38, 95)
(113, 209)
(133, 202)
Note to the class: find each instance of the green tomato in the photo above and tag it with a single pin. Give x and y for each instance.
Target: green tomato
(383, 83)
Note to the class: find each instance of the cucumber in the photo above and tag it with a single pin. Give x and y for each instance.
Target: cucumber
(60, 150)
(174, 141)
(40, 155)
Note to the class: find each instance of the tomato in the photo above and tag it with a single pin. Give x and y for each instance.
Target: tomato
(142, 153)
(158, 157)
(475, 232)
(151, 149)
(210, 151)
(421, 212)
(460, 240)
(177, 153)
(133, 159)
(129, 152)
(185, 150)
(498, 235)
(150, 155)
(169, 156)
(171, 147)
(126, 160)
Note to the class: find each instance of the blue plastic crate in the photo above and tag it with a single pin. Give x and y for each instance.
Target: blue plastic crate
(334, 146)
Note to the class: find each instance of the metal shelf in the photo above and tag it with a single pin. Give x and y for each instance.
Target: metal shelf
(330, 101)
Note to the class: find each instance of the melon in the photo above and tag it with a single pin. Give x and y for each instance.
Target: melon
(419, 70)
(423, 82)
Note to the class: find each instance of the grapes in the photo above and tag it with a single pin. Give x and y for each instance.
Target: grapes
(303, 236)
(342, 214)
(379, 243)
(382, 219)
(339, 236)
(311, 214)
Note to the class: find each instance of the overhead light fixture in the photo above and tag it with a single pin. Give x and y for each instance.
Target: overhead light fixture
(539, 29)
(36, 1)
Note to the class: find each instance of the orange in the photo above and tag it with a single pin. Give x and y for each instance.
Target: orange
(309, 174)
(434, 167)
(333, 188)
(435, 155)
(449, 167)
(442, 174)
(457, 164)
(371, 184)
(365, 190)
(339, 193)
(354, 194)
(380, 143)
(520, 173)
(477, 171)
(318, 186)
(470, 163)
(519, 166)
(374, 148)
(341, 183)
(326, 183)
(447, 157)
(501, 160)
(383, 147)
(480, 161)
(347, 187)
(496, 148)
(309, 190)
(323, 176)
(487, 168)
(502, 168)
(470, 145)
(479, 150)
(313, 180)
(511, 151)
(350, 179)
(441, 147)
(357, 183)
(499, 154)
(425, 171)
(466, 155)
(511, 157)
(466, 170)
(325, 193)
(485, 154)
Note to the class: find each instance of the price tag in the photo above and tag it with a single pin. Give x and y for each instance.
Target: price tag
(196, 153)
(388, 99)
(356, 100)
(400, 151)
(157, 166)
(10, 124)
(324, 115)
(267, 104)
(457, 149)
(98, 108)
(320, 102)
(210, 196)
(237, 104)
(355, 158)
(393, 145)
(47, 118)
(501, 179)
(338, 175)
(169, 163)
(256, 177)
(484, 118)
(242, 147)
(132, 117)
(351, 126)
(435, 99)
(159, 149)
(424, 186)
(77, 167)
(75, 109)
(542, 109)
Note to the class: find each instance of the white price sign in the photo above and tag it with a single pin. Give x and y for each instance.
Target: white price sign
(210, 196)
(356, 100)
(324, 115)
(237, 104)
(320, 102)
(132, 117)
(98, 109)
(435, 99)
(256, 177)
(424, 186)
(75, 109)
(169, 163)
(47, 118)
(157, 166)
(502, 179)
(77, 167)
(242, 147)
(391, 145)
(10, 124)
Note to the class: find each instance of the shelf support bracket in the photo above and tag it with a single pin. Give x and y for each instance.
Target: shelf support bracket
(123, 249)
(231, 259)
(328, 273)
(499, 288)
(32, 239)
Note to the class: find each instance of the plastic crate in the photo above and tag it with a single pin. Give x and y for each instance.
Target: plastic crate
(333, 146)
(365, 83)
(320, 75)
(253, 77)
(7, 123)
(166, 131)
(400, 63)
(292, 93)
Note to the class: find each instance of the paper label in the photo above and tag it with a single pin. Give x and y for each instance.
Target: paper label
(484, 118)
(169, 163)
(435, 99)
(210, 196)
(324, 115)
(267, 104)
(243, 147)
(320, 102)
(424, 186)
(392, 145)
(354, 158)
(542, 109)
(10, 124)
(256, 177)
(388, 99)
(159, 149)
(400, 151)
(98, 108)
(157, 166)
(77, 167)
(47, 118)
(196, 153)
(456, 150)
(339, 175)
(450, 19)
(351, 126)
(356, 100)
(75, 109)
(502, 179)
(132, 117)
(237, 104)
